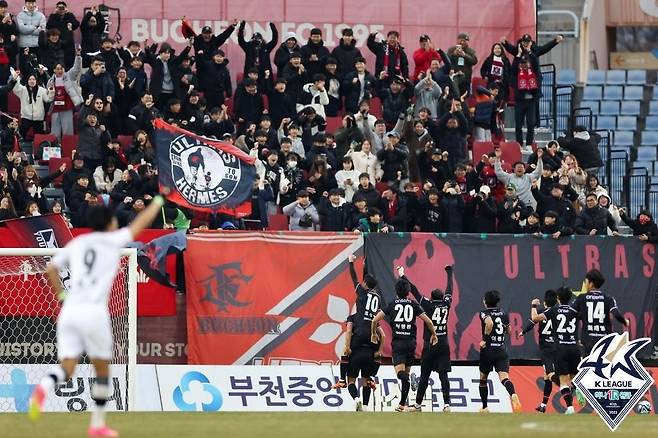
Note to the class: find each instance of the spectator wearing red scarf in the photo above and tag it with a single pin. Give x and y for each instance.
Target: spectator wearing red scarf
(390, 56)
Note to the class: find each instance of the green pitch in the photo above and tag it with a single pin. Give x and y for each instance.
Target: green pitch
(328, 425)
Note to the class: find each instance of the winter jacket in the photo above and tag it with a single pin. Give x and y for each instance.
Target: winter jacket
(523, 183)
(394, 104)
(506, 72)
(453, 207)
(585, 147)
(7, 30)
(482, 214)
(257, 56)
(91, 36)
(345, 56)
(507, 222)
(30, 24)
(99, 86)
(394, 67)
(366, 164)
(332, 217)
(203, 50)
(248, 106)
(430, 218)
(552, 229)
(91, 141)
(127, 188)
(51, 53)
(427, 98)
(281, 106)
(282, 56)
(157, 72)
(370, 194)
(295, 81)
(422, 61)
(452, 140)
(350, 188)
(103, 182)
(650, 229)
(32, 109)
(596, 218)
(562, 206)
(314, 98)
(320, 51)
(71, 83)
(463, 63)
(215, 79)
(352, 90)
(392, 161)
(399, 218)
(533, 56)
(297, 212)
(345, 137)
(61, 22)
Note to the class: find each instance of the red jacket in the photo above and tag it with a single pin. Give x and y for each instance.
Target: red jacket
(423, 59)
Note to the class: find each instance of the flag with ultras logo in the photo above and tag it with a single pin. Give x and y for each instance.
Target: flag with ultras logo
(202, 173)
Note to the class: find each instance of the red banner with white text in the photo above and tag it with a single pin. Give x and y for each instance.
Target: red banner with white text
(259, 298)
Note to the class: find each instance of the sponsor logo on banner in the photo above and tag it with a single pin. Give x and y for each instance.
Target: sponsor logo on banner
(612, 379)
(27, 340)
(307, 388)
(17, 383)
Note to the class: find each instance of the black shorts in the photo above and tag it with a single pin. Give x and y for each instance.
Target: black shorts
(493, 358)
(436, 358)
(567, 358)
(547, 354)
(404, 351)
(361, 362)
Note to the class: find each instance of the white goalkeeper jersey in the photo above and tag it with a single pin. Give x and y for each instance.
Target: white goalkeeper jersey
(93, 261)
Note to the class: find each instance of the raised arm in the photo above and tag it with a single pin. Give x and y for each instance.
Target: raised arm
(146, 217)
(414, 290)
(355, 279)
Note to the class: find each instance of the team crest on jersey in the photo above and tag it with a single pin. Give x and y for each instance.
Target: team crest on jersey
(612, 379)
(203, 175)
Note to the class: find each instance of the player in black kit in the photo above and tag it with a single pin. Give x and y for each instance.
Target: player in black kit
(362, 350)
(493, 354)
(435, 357)
(564, 320)
(401, 315)
(546, 348)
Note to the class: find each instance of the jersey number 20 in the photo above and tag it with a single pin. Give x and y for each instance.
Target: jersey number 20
(404, 313)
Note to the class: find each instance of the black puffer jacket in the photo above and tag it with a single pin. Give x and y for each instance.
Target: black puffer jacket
(596, 218)
(533, 56)
(345, 56)
(649, 229)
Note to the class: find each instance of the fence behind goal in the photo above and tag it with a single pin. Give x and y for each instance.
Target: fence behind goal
(28, 345)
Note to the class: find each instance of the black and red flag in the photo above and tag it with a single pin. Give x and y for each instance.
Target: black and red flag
(202, 173)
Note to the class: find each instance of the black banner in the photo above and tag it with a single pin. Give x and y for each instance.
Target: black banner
(521, 268)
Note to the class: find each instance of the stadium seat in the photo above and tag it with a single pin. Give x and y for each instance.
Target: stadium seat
(478, 82)
(623, 138)
(649, 138)
(593, 105)
(38, 139)
(69, 143)
(613, 92)
(125, 141)
(13, 105)
(653, 107)
(53, 166)
(630, 108)
(511, 151)
(376, 107)
(606, 122)
(609, 108)
(645, 164)
(651, 123)
(593, 92)
(566, 77)
(481, 148)
(278, 222)
(596, 77)
(636, 77)
(634, 92)
(616, 77)
(333, 124)
(627, 123)
(646, 153)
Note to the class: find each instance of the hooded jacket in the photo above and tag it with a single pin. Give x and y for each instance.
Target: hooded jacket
(282, 54)
(649, 229)
(585, 147)
(313, 97)
(30, 24)
(345, 54)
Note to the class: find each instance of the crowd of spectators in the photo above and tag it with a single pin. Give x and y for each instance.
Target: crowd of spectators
(403, 167)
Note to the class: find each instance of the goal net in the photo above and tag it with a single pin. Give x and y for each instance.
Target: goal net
(28, 345)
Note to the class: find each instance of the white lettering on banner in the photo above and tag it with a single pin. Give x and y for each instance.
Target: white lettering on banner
(161, 30)
(306, 388)
(142, 277)
(27, 349)
(649, 7)
(156, 349)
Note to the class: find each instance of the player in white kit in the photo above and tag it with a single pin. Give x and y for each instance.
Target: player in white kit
(83, 325)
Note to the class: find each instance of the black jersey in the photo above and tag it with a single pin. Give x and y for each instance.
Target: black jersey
(437, 310)
(496, 339)
(564, 319)
(594, 310)
(546, 333)
(368, 304)
(401, 315)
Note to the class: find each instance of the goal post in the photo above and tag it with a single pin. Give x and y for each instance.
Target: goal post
(28, 313)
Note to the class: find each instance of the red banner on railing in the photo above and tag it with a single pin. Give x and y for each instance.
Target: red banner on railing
(256, 297)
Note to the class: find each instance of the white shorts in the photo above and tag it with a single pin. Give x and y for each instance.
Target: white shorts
(84, 329)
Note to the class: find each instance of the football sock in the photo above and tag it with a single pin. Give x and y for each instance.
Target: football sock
(484, 392)
(509, 386)
(344, 366)
(353, 391)
(568, 397)
(55, 376)
(100, 392)
(548, 388)
(366, 394)
(404, 378)
(422, 386)
(445, 387)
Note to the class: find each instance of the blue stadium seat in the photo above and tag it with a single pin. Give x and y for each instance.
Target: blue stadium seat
(613, 92)
(634, 92)
(616, 77)
(649, 138)
(609, 108)
(596, 77)
(592, 105)
(636, 77)
(621, 150)
(646, 164)
(623, 138)
(566, 77)
(606, 122)
(654, 180)
(652, 123)
(630, 108)
(627, 123)
(646, 153)
(653, 107)
(593, 92)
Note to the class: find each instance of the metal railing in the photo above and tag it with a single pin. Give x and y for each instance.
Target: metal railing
(562, 104)
(584, 117)
(604, 150)
(636, 187)
(546, 117)
(616, 170)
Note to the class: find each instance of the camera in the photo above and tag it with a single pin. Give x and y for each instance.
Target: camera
(306, 221)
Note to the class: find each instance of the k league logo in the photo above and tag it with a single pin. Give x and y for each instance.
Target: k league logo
(612, 379)
(203, 175)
